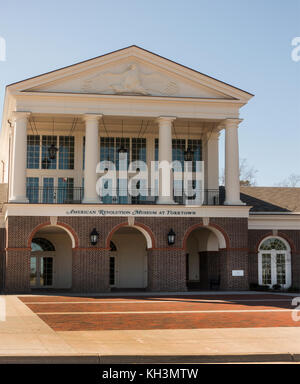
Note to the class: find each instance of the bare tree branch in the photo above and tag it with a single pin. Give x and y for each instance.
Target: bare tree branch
(247, 174)
(292, 181)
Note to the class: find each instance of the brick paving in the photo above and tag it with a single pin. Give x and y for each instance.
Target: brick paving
(64, 313)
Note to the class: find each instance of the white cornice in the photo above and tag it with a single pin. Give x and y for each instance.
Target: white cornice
(290, 221)
(37, 94)
(62, 210)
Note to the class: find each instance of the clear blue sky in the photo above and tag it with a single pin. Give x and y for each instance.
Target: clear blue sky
(246, 43)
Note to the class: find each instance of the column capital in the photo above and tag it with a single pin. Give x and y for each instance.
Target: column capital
(230, 123)
(18, 115)
(165, 119)
(92, 116)
(213, 135)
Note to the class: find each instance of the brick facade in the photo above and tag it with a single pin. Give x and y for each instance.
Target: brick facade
(90, 270)
(166, 264)
(166, 270)
(291, 236)
(2, 256)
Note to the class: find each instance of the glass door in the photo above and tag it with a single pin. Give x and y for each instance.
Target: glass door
(33, 271)
(273, 266)
(41, 271)
(266, 269)
(48, 190)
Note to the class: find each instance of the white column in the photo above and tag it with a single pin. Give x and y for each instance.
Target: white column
(91, 158)
(212, 161)
(232, 177)
(19, 154)
(165, 160)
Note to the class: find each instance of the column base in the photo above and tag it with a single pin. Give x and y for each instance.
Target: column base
(239, 202)
(91, 200)
(165, 200)
(19, 199)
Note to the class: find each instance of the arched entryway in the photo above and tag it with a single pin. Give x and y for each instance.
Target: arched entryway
(203, 258)
(51, 259)
(128, 259)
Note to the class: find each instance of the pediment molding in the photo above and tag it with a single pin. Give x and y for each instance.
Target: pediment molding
(131, 71)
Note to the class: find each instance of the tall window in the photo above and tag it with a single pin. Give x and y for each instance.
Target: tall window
(32, 189)
(138, 149)
(47, 141)
(66, 152)
(33, 151)
(48, 190)
(196, 147)
(83, 152)
(122, 142)
(107, 149)
(178, 148)
(65, 191)
(274, 262)
(35, 160)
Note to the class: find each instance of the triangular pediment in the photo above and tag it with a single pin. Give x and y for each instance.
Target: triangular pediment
(132, 71)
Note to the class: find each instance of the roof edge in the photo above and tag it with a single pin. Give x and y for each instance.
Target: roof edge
(122, 49)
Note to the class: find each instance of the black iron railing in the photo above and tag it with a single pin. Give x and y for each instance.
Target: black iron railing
(74, 195)
(54, 195)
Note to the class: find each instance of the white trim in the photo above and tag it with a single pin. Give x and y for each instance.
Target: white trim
(274, 222)
(273, 254)
(220, 236)
(103, 210)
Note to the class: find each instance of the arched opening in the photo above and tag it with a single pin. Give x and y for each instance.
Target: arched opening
(128, 259)
(274, 262)
(203, 258)
(51, 259)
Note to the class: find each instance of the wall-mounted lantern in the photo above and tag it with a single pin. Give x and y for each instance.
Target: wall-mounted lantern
(94, 236)
(171, 237)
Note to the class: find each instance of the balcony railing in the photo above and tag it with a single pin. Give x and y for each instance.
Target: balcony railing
(70, 195)
(54, 195)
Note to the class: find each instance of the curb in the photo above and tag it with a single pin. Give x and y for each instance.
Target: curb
(151, 359)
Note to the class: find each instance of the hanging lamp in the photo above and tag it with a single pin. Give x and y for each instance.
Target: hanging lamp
(122, 148)
(52, 150)
(188, 153)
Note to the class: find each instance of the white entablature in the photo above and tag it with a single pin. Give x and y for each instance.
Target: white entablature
(119, 79)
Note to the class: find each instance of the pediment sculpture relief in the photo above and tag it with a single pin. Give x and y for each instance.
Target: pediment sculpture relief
(131, 81)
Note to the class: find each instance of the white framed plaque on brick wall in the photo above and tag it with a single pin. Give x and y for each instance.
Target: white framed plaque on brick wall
(238, 272)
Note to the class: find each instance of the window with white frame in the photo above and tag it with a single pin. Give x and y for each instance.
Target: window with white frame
(178, 149)
(274, 262)
(33, 152)
(38, 152)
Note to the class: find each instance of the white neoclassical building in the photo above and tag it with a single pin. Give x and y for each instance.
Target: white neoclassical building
(62, 130)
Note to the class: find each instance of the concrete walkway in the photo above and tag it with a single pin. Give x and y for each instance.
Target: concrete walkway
(24, 337)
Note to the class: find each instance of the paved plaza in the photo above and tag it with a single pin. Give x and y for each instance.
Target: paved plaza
(193, 327)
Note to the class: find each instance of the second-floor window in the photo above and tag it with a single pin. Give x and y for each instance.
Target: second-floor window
(109, 146)
(38, 152)
(33, 151)
(178, 148)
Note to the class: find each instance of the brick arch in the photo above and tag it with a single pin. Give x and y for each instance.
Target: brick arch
(71, 232)
(140, 227)
(279, 234)
(212, 227)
